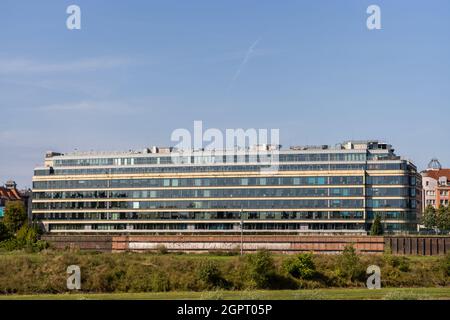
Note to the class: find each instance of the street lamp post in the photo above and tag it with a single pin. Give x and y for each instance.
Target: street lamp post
(242, 233)
(108, 185)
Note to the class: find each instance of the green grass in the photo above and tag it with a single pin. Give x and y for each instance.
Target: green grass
(319, 294)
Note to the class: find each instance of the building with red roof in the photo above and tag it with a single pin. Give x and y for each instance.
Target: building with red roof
(436, 185)
(8, 192)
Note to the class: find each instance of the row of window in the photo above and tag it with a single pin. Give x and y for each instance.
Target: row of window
(293, 215)
(229, 226)
(202, 193)
(177, 159)
(228, 193)
(206, 182)
(219, 168)
(442, 193)
(393, 215)
(212, 227)
(210, 204)
(299, 215)
(391, 203)
(229, 204)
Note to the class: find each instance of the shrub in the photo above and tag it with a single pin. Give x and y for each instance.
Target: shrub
(302, 266)
(400, 263)
(209, 273)
(4, 232)
(27, 235)
(160, 282)
(445, 264)
(233, 252)
(10, 245)
(349, 265)
(41, 245)
(138, 279)
(260, 269)
(99, 279)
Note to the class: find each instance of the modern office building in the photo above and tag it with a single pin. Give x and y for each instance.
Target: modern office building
(436, 185)
(315, 189)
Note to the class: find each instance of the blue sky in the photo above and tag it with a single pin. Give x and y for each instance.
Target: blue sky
(137, 70)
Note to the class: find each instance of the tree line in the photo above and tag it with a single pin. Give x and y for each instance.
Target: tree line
(16, 232)
(437, 219)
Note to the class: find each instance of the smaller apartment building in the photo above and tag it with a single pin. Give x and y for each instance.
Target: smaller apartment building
(8, 193)
(436, 187)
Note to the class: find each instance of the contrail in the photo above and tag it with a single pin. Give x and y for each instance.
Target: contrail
(244, 62)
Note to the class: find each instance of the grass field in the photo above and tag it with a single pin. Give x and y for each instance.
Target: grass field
(319, 294)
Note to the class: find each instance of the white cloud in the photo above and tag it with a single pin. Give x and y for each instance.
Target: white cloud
(112, 107)
(130, 106)
(76, 106)
(247, 57)
(27, 66)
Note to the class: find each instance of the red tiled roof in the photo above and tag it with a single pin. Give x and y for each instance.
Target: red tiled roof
(9, 194)
(435, 174)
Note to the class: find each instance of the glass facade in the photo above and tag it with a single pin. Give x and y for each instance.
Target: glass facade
(312, 191)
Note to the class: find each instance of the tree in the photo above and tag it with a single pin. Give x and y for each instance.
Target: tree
(443, 218)
(429, 218)
(15, 216)
(260, 268)
(349, 264)
(377, 228)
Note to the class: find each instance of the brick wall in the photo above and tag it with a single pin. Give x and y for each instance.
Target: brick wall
(83, 242)
(205, 243)
(288, 244)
